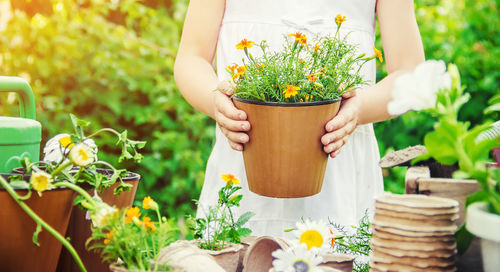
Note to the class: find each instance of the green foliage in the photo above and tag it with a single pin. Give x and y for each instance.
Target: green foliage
(120, 75)
(219, 225)
(460, 32)
(300, 72)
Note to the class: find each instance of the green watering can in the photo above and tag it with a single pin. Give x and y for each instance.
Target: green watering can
(19, 136)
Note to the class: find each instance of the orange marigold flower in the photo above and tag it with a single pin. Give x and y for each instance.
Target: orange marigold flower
(240, 71)
(244, 44)
(378, 54)
(132, 213)
(230, 179)
(332, 239)
(109, 236)
(232, 67)
(316, 47)
(322, 71)
(148, 223)
(312, 78)
(299, 38)
(149, 203)
(291, 91)
(340, 19)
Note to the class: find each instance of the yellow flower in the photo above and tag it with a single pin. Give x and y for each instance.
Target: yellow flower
(340, 19)
(230, 179)
(316, 47)
(81, 155)
(313, 234)
(244, 44)
(291, 91)
(312, 78)
(148, 223)
(232, 67)
(240, 71)
(299, 38)
(66, 142)
(41, 181)
(378, 54)
(149, 203)
(109, 236)
(132, 214)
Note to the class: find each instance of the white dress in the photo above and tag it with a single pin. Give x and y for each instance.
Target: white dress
(353, 178)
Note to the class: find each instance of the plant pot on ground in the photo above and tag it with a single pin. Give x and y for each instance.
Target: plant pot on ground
(285, 156)
(17, 250)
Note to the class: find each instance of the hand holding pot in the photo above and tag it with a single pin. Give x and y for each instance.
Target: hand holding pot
(342, 125)
(232, 121)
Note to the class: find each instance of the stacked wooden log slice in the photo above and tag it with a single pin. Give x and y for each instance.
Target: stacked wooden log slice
(414, 233)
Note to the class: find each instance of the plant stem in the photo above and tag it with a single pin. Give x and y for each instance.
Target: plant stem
(104, 130)
(42, 223)
(60, 168)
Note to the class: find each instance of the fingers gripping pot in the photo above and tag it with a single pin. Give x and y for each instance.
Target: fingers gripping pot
(19, 136)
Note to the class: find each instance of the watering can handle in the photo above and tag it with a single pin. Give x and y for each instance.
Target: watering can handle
(23, 89)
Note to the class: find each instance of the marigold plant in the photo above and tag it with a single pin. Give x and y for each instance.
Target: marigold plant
(301, 72)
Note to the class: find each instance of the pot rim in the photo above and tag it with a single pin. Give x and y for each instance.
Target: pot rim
(482, 223)
(286, 104)
(129, 177)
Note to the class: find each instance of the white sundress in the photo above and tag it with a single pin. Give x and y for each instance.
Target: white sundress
(353, 179)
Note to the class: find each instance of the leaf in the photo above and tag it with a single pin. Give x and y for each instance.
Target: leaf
(476, 197)
(19, 184)
(244, 232)
(244, 218)
(463, 238)
(35, 234)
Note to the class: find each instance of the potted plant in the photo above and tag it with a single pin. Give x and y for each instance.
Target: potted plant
(439, 92)
(289, 96)
(219, 233)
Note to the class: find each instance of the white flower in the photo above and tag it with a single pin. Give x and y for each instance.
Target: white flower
(100, 212)
(58, 146)
(314, 234)
(296, 259)
(81, 155)
(418, 90)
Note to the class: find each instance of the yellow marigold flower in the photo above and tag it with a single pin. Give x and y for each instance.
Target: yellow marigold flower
(299, 38)
(149, 203)
(312, 78)
(230, 179)
(81, 155)
(240, 71)
(291, 91)
(109, 236)
(340, 19)
(148, 223)
(132, 213)
(41, 181)
(232, 67)
(322, 71)
(378, 54)
(66, 142)
(316, 47)
(244, 44)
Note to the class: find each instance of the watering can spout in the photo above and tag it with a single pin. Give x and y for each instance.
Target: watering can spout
(19, 136)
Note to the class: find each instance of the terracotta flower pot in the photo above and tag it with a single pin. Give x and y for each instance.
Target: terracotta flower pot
(79, 228)
(17, 251)
(188, 257)
(284, 157)
(258, 257)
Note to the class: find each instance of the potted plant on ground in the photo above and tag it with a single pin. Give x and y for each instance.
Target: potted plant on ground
(439, 92)
(289, 96)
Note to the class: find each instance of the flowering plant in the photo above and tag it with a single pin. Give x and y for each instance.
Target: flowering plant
(301, 72)
(136, 241)
(439, 92)
(219, 225)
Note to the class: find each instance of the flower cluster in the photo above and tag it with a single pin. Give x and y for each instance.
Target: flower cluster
(118, 229)
(219, 225)
(325, 70)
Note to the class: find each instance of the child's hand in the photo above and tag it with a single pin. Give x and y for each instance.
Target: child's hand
(232, 121)
(341, 126)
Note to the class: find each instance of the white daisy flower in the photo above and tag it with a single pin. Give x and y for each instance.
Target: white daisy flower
(100, 212)
(58, 146)
(81, 155)
(314, 234)
(297, 259)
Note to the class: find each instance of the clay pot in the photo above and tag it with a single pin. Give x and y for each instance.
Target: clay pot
(79, 228)
(17, 251)
(227, 258)
(187, 256)
(284, 157)
(259, 255)
(340, 262)
(246, 242)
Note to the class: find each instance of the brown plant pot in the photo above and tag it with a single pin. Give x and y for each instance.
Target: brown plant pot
(258, 257)
(17, 251)
(341, 262)
(79, 229)
(284, 157)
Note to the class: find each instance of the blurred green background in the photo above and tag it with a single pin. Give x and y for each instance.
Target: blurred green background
(111, 63)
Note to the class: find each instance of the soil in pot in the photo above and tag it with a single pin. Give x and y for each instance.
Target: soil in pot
(17, 251)
(284, 157)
